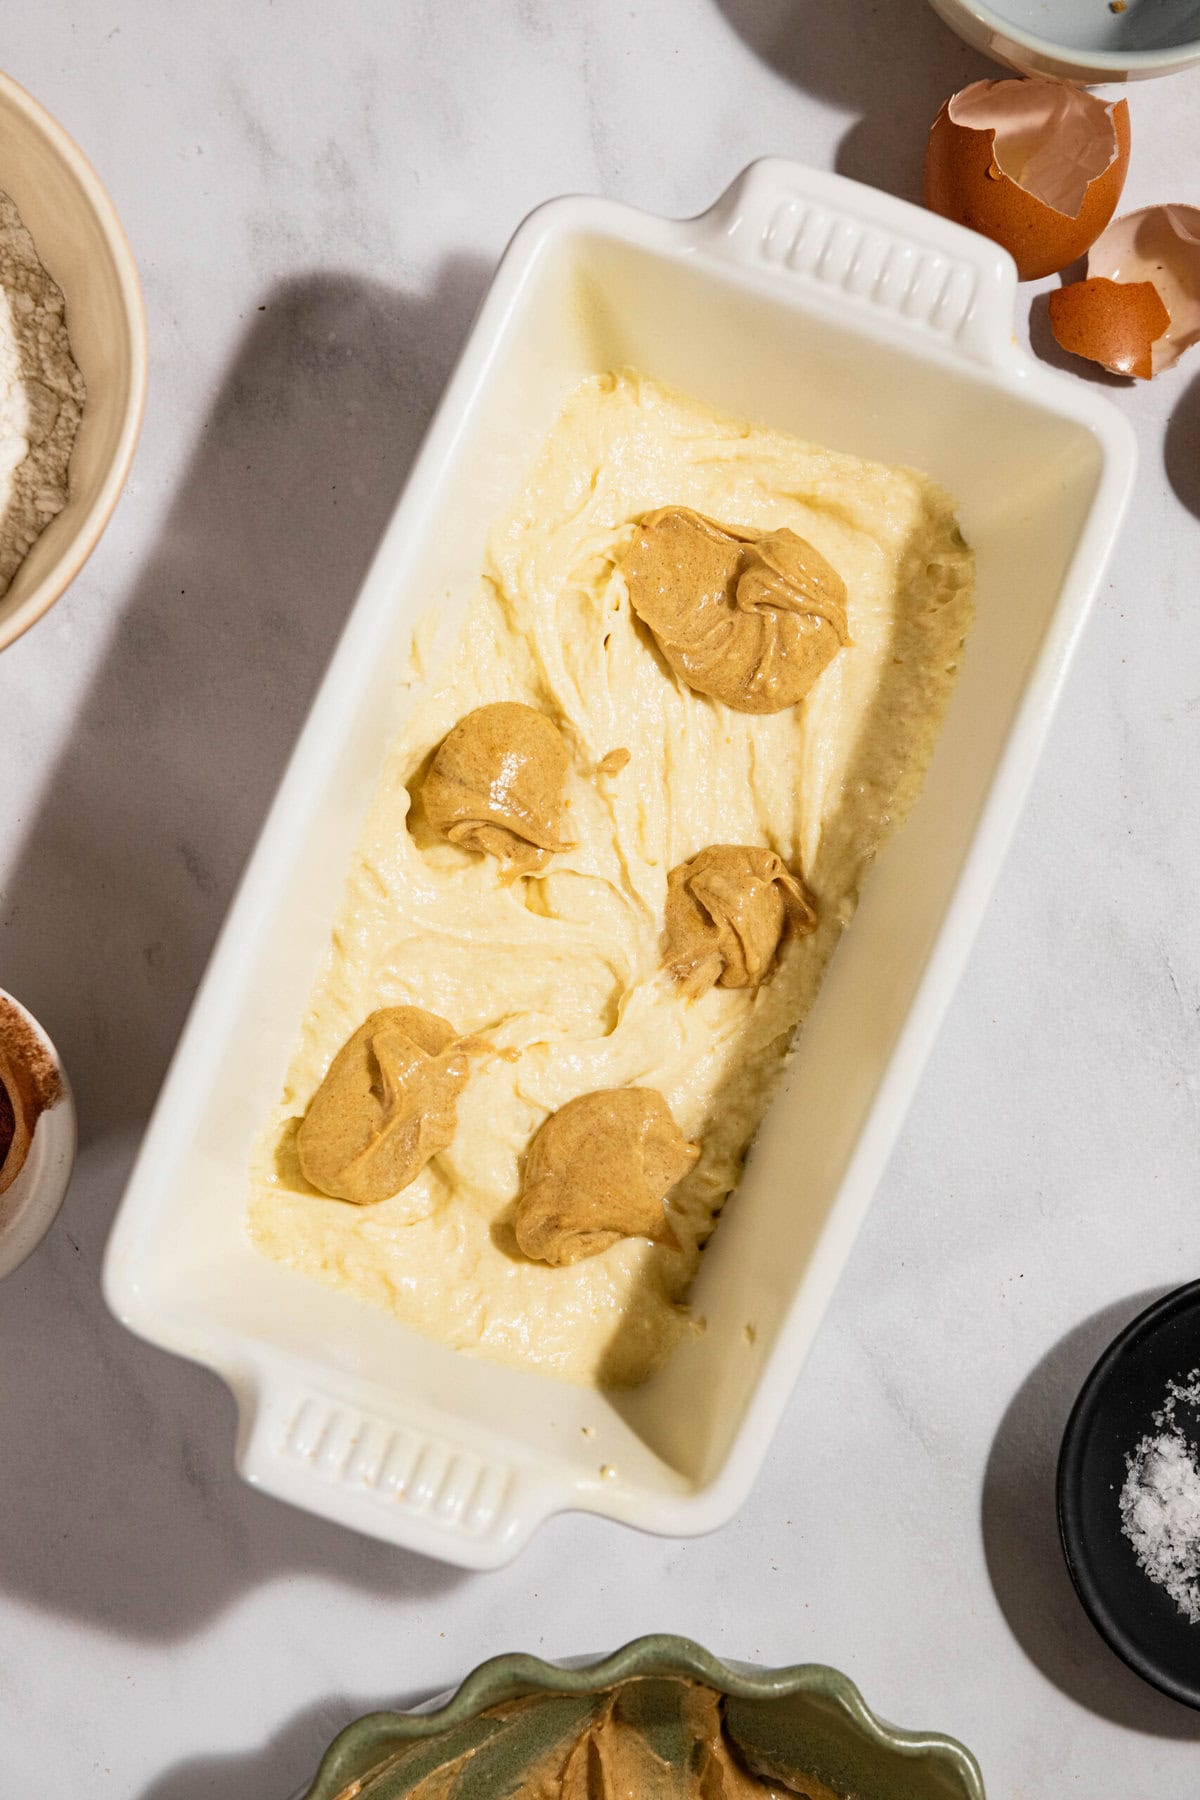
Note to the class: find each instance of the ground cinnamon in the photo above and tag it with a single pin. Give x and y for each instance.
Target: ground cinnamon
(29, 1086)
(8, 1125)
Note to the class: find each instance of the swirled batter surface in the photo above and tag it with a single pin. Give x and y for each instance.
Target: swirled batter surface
(562, 972)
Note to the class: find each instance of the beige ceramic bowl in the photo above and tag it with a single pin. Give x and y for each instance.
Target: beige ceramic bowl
(81, 242)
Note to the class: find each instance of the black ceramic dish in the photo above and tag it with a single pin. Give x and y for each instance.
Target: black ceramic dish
(1136, 1618)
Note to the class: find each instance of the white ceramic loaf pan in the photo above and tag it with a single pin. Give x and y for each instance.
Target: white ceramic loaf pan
(804, 301)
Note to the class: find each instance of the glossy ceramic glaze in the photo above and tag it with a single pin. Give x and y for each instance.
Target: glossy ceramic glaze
(80, 241)
(813, 1719)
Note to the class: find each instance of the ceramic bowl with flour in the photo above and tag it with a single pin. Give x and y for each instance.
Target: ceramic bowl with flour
(72, 360)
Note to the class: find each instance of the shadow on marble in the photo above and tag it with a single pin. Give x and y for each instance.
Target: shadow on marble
(117, 1492)
(179, 744)
(1021, 1543)
(280, 1769)
(891, 64)
(1181, 449)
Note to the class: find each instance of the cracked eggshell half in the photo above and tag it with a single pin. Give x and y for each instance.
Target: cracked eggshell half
(1034, 165)
(1159, 245)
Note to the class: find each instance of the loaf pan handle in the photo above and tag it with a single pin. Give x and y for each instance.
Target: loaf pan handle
(393, 1480)
(869, 254)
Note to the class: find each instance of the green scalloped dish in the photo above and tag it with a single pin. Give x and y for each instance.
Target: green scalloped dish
(807, 1723)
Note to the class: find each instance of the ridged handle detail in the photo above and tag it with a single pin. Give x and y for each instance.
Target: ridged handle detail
(872, 252)
(307, 1447)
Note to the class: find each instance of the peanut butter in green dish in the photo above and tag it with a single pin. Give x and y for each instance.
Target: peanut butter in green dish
(650, 1738)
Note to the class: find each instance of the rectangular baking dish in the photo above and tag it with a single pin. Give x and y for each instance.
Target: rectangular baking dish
(800, 300)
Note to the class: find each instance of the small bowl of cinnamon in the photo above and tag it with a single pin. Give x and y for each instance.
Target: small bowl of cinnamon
(37, 1133)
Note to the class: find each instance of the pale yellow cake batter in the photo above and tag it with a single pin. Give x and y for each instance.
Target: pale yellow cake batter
(563, 970)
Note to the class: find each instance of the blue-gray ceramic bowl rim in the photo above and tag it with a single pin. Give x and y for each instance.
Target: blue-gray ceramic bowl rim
(516, 1674)
(1107, 65)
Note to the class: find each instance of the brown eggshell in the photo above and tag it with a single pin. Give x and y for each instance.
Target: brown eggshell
(1113, 323)
(964, 182)
(1159, 245)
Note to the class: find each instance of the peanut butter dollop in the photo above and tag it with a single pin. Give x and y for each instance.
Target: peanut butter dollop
(599, 1169)
(496, 785)
(727, 911)
(752, 618)
(387, 1104)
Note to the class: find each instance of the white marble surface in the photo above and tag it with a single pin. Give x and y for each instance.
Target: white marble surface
(316, 195)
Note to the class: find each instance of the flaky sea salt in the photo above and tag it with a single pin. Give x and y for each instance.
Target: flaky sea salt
(1160, 1501)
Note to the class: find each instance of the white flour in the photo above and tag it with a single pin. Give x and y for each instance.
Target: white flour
(41, 395)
